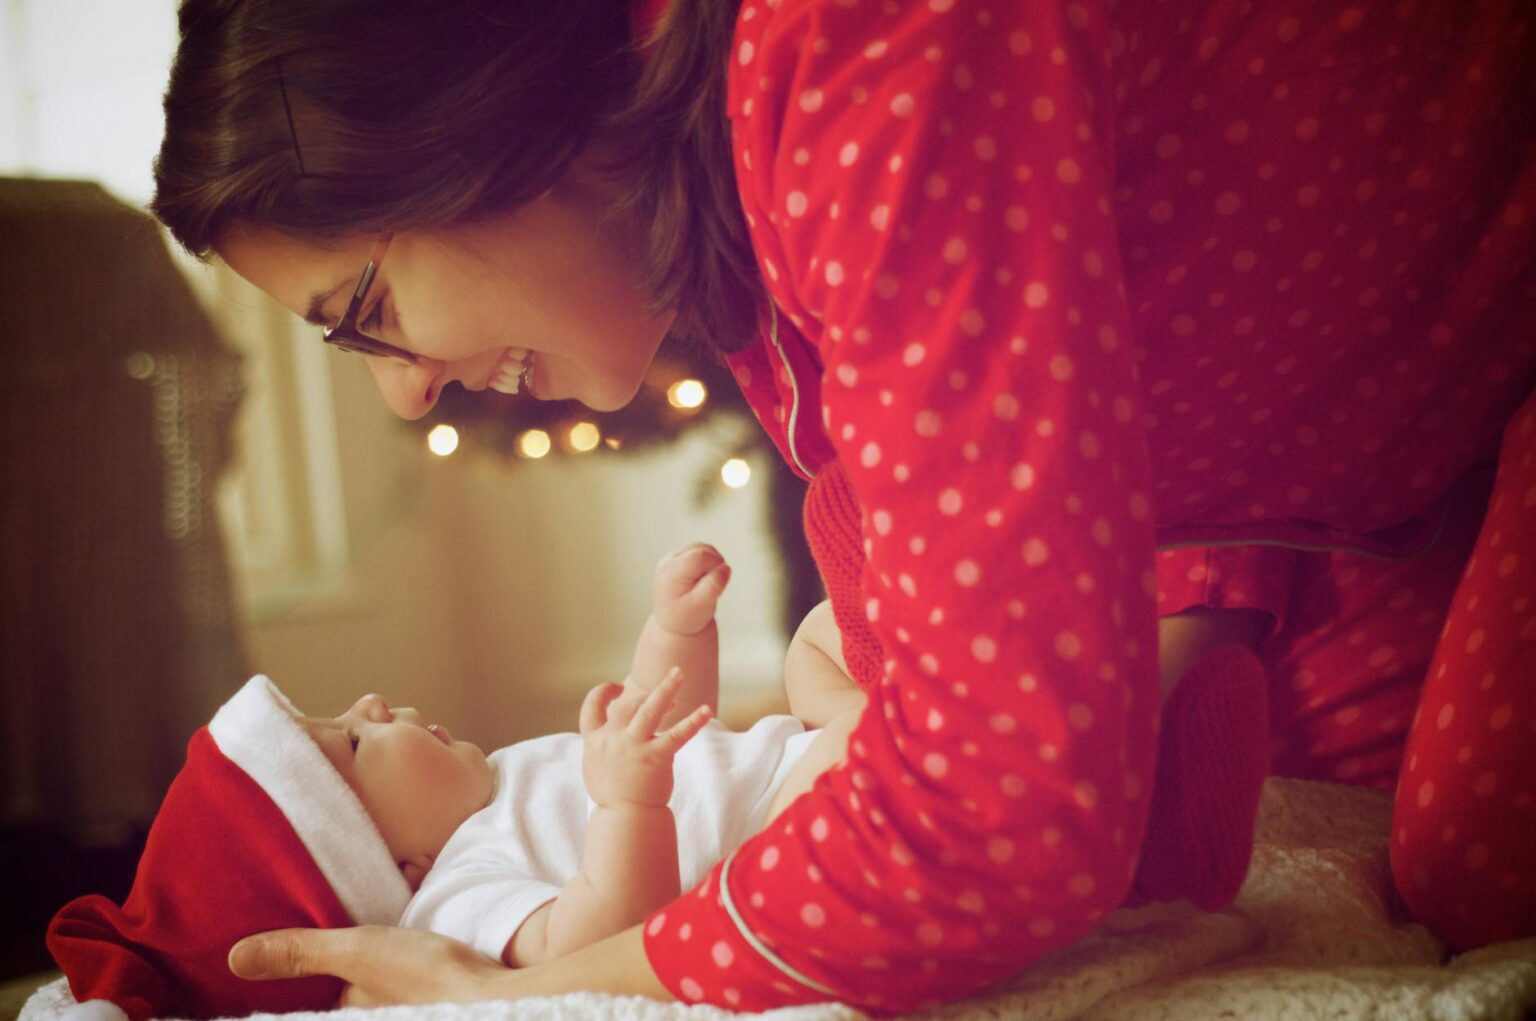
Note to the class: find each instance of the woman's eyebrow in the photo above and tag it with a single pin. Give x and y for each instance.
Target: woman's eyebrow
(315, 314)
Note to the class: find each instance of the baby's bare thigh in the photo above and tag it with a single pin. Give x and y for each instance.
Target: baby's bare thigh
(828, 749)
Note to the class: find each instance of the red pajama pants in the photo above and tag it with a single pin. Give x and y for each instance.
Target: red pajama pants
(1415, 676)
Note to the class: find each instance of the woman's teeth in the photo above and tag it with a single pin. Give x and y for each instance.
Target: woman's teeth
(513, 374)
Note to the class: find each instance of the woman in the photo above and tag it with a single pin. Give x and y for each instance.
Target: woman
(1032, 291)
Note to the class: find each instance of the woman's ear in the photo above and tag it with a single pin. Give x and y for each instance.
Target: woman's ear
(415, 869)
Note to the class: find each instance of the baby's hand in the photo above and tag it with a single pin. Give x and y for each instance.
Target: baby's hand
(687, 585)
(624, 760)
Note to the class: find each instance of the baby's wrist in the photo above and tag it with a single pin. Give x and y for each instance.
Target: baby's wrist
(679, 631)
(635, 807)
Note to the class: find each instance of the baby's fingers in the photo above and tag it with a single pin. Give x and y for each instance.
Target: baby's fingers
(648, 717)
(683, 731)
(594, 708)
(718, 578)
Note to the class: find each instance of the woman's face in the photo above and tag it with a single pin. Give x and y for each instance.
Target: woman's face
(551, 278)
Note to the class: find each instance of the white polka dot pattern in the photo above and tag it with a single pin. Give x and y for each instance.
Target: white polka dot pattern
(1055, 283)
(1464, 830)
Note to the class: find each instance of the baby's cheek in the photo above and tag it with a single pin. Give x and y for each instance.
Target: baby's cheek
(459, 785)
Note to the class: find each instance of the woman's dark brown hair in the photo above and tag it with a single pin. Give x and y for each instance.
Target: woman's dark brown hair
(329, 118)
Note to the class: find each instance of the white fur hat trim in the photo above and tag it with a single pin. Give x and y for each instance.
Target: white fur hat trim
(259, 730)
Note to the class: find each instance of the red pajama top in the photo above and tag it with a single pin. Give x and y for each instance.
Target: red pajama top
(1061, 284)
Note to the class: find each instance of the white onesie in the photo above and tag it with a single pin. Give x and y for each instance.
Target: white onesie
(519, 851)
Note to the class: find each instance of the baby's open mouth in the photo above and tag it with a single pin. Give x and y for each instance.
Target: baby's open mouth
(440, 732)
(515, 372)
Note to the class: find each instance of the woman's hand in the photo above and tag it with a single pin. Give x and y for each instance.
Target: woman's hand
(380, 964)
(383, 965)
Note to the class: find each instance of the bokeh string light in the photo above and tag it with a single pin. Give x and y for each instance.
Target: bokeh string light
(443, 440)
(534, 443)
(736, 472)
(685, 387)
(584, 436)
(687, 393)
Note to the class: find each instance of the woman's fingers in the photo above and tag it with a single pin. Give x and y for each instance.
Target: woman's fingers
(292, 953)
(594, 708)
(682, 732)
(381, 964)
(648, 717)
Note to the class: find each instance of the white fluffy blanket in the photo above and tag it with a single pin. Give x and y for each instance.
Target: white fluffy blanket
(1317, 932)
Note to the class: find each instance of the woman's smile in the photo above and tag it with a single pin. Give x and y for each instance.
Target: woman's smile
(514, 373)
(468, 300)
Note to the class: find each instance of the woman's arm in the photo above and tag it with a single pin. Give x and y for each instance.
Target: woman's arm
(933, 204)
(616, 965)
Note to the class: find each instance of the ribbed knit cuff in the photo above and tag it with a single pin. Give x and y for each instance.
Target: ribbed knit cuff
(834, 528)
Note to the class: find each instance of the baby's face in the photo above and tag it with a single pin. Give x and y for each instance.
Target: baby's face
(417, 783)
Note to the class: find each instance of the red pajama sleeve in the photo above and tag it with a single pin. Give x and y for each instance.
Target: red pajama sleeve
(929, 186)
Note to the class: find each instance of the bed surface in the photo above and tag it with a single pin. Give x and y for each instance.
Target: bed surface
(1317, 932)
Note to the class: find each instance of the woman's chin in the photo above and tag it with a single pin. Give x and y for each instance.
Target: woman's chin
(604, 406)
(608, 395)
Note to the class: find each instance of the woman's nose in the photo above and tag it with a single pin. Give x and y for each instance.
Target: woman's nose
(410, 390)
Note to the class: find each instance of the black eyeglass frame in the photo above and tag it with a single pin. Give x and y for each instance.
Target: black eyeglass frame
(345, 334)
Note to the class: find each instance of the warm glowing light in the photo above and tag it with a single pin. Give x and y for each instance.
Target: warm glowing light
(584, 436)
(443, 440)
(533, 443)
(686, 393)
(612, 442)
(735, 473)
(140, 365)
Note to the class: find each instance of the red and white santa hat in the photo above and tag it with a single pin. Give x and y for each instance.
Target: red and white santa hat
(258, 831)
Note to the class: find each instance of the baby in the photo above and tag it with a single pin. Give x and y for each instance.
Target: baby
(549, 867)
(279, 819)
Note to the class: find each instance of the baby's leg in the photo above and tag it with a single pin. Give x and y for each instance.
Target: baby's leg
(816, 678)
(829, 749)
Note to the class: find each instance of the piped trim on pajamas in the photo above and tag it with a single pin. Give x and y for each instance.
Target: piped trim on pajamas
(757, 944)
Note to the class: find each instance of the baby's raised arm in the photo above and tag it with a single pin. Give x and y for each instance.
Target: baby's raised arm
(630, 735)
(629, 863)
(680, 631)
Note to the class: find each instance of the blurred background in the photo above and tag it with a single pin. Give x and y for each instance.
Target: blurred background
(196, 490)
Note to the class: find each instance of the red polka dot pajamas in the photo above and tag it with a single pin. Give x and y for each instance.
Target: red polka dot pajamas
(1061, 286)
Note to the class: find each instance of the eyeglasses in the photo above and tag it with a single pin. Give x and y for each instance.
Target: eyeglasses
(345, 334)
